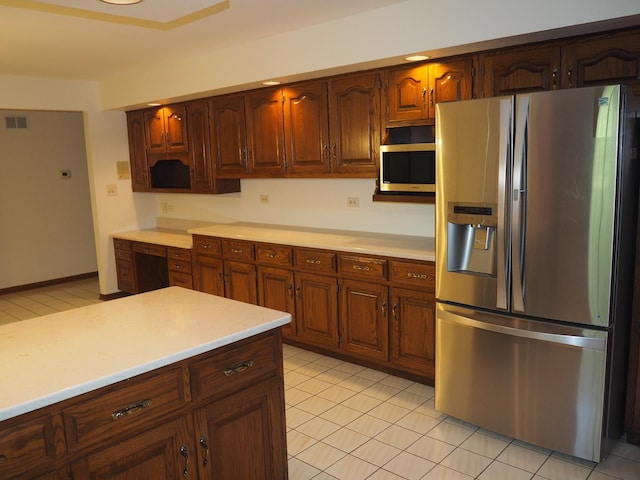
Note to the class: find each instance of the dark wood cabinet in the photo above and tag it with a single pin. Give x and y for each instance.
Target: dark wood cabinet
(354, 124)
(137, 152)
(241, 437)
(412, 92)
(276, 290)
(317, 309)
(125, 269)
(165, 129)
(306, 124)
(610, 58)
(227, 124)
(240, 281)
(519, 70)
(265, 133)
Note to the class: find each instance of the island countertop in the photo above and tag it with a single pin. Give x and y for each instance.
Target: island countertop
(55, 357)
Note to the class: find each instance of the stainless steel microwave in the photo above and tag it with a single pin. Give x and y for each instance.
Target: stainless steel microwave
(408, 168)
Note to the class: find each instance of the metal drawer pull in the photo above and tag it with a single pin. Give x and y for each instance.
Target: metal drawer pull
(272, 255)
(362, 268)
(129, 409)
(185, 454)
(236, 250)
(205, 447)
(240, 367)
(206, 245)
(421, 276)
(313, 261)
(3, 458)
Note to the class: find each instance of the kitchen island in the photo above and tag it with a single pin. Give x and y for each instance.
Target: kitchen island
(157, 385)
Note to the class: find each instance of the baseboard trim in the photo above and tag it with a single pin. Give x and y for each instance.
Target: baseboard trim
(47, 283)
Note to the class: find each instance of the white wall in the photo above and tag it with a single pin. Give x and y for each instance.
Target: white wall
(47, 218)
(409, 26)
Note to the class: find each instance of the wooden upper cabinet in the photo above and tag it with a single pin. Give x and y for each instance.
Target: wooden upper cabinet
(265, 132)
(165, 129)
(306, 125)
(354, 123)
(227, 124)
(614, 58)
(137, 152)
(531, 69)
(412, 92)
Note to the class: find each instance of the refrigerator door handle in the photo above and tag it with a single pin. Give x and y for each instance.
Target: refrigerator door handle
(505, 149)
(518, 201)
(591, 343)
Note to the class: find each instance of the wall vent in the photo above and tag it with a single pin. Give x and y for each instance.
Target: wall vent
(15, 122)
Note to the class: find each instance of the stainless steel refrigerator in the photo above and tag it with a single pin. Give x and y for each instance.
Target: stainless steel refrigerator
(536, 203)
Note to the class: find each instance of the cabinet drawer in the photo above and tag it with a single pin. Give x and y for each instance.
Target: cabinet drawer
(180, 279)
(206, 245)
(274, 254)
(179, 265)
(179, 254)
(237, 249)
(232, 368)
(150, 249)
(124, 408)
(364, 267)
(28, 446)
(126, 276)
(122, 244)
(416, 274)
(315, 260)
(124, 255)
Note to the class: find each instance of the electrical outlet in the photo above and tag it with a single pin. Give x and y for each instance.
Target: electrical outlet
(264, 198)
(112, 190)
(353, 202)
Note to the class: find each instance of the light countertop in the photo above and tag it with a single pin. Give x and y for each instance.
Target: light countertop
(51, 358)
(158, 236)
(402, 246)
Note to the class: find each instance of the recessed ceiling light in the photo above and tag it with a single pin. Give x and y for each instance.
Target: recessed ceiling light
(271, 82)
(416, 58)
(122, 2)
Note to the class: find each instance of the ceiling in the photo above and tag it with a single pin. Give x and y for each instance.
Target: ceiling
(89, 39)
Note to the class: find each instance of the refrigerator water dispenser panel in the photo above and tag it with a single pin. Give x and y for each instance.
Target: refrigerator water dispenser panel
(471, 238)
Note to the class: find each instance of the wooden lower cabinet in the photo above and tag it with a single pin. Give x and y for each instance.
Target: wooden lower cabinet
(363, 319)
(162, 453)
(317, 309)
(219, 415)
(240, 282)
(238, 435)
(276, 290)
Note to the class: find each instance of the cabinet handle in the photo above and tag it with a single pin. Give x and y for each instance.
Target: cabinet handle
(298, 292)
(272, 255)
(362, 268)
(177, 266)
(236, 250)
(394, 311)
(570, 75)
(420, 276)
(313, 261)
(424, 96)
(205, 447)
(185, 454)
(238, 368)
(384, 309)
(431, 96)
(335, 150)
(3, 458)
(326, 151)
(129, 409)
(206, 245)
(554, 76)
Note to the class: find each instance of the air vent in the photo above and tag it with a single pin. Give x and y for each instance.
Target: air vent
(15, 122)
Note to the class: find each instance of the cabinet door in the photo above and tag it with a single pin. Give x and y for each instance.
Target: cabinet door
(154, 130)
(162, 453)
(354, 123)
(265, 132)
(240, 282)
(317, 309)
(227, 126)
(242, 436)
(199, 153)
(275, 290)
(407, 92)
(449, 82)
(175, 121)
(306, 122)
(529, 69)
(137, 152)
(363, 319)
(606, 59)
(413, 330)
(126, 274)
(208, 275)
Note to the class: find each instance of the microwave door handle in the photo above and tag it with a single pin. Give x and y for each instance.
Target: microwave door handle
(519, 201)
(504, 152)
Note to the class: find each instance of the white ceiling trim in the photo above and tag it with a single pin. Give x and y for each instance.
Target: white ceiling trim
(155, 14)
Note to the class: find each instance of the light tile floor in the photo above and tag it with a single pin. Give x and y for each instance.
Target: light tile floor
(349, 422)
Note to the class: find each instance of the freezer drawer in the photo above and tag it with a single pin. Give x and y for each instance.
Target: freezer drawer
(538, 382)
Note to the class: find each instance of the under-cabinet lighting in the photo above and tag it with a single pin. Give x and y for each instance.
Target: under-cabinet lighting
(153, 104)
(271, 83)
(416, 58)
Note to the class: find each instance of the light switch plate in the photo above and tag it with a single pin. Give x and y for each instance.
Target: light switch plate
(123, 170)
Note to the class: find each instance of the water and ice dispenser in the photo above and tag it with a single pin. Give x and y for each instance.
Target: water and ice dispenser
(471, 238)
